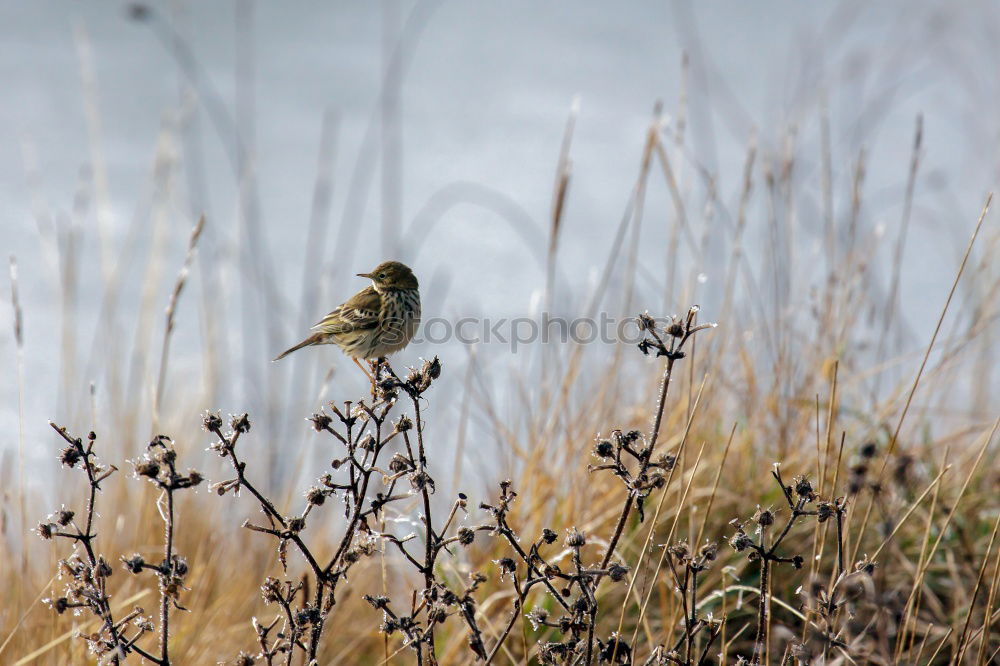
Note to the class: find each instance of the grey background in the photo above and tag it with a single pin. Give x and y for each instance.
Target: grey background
(471, 114)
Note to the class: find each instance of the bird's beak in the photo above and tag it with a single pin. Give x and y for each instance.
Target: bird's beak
(365, 275)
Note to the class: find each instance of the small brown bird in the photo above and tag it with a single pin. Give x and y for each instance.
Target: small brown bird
(376, 321)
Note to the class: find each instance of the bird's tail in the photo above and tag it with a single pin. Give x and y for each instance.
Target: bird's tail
(313, 339)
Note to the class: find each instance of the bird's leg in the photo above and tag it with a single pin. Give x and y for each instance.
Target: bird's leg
(367, 374)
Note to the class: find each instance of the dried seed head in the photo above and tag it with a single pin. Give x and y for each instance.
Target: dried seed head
(680, 550)
(315, 496)
(537, 617)
(403, 424)
(604, 449)
(46, 530)
(765, 518)
(399, 463)
(507, 565)
(676, 330)
(270, 590)
(147, 468)
(103, 569)
(377, 602)
(64, 517)
(803, 488)
(616, 650)
(740, 541)
(617, 572)
(320, 421)
(421, 480)
(548, 536)
(180, 566)
(212, 422)
(709, 551)
(868, 450)
(666, 461)
(824, 511)
(307, 616)
(70, 456)
(576, 539)
(865, 566)
(296, 524)
(240, 423)
(432, 368)
(134, 564)
(466, 536)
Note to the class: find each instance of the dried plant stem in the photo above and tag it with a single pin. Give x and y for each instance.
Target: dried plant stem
(168, 558)
(100, 601)
(763, 600)
(678, 334)
(653, 436)
(266, 505)
(654, 521)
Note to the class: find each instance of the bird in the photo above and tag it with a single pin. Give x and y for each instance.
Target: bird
(377, 321)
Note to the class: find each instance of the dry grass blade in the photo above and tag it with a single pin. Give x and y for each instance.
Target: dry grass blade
(69, 635)
(942, 530)
(171, 310)
(923, 364)
(960, 651)
(17, 321)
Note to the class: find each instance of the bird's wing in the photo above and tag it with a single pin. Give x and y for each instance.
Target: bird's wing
(359, 313)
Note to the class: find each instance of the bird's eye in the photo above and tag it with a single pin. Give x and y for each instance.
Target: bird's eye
(381, 276)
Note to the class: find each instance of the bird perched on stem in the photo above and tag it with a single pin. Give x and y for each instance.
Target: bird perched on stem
(377, 321)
